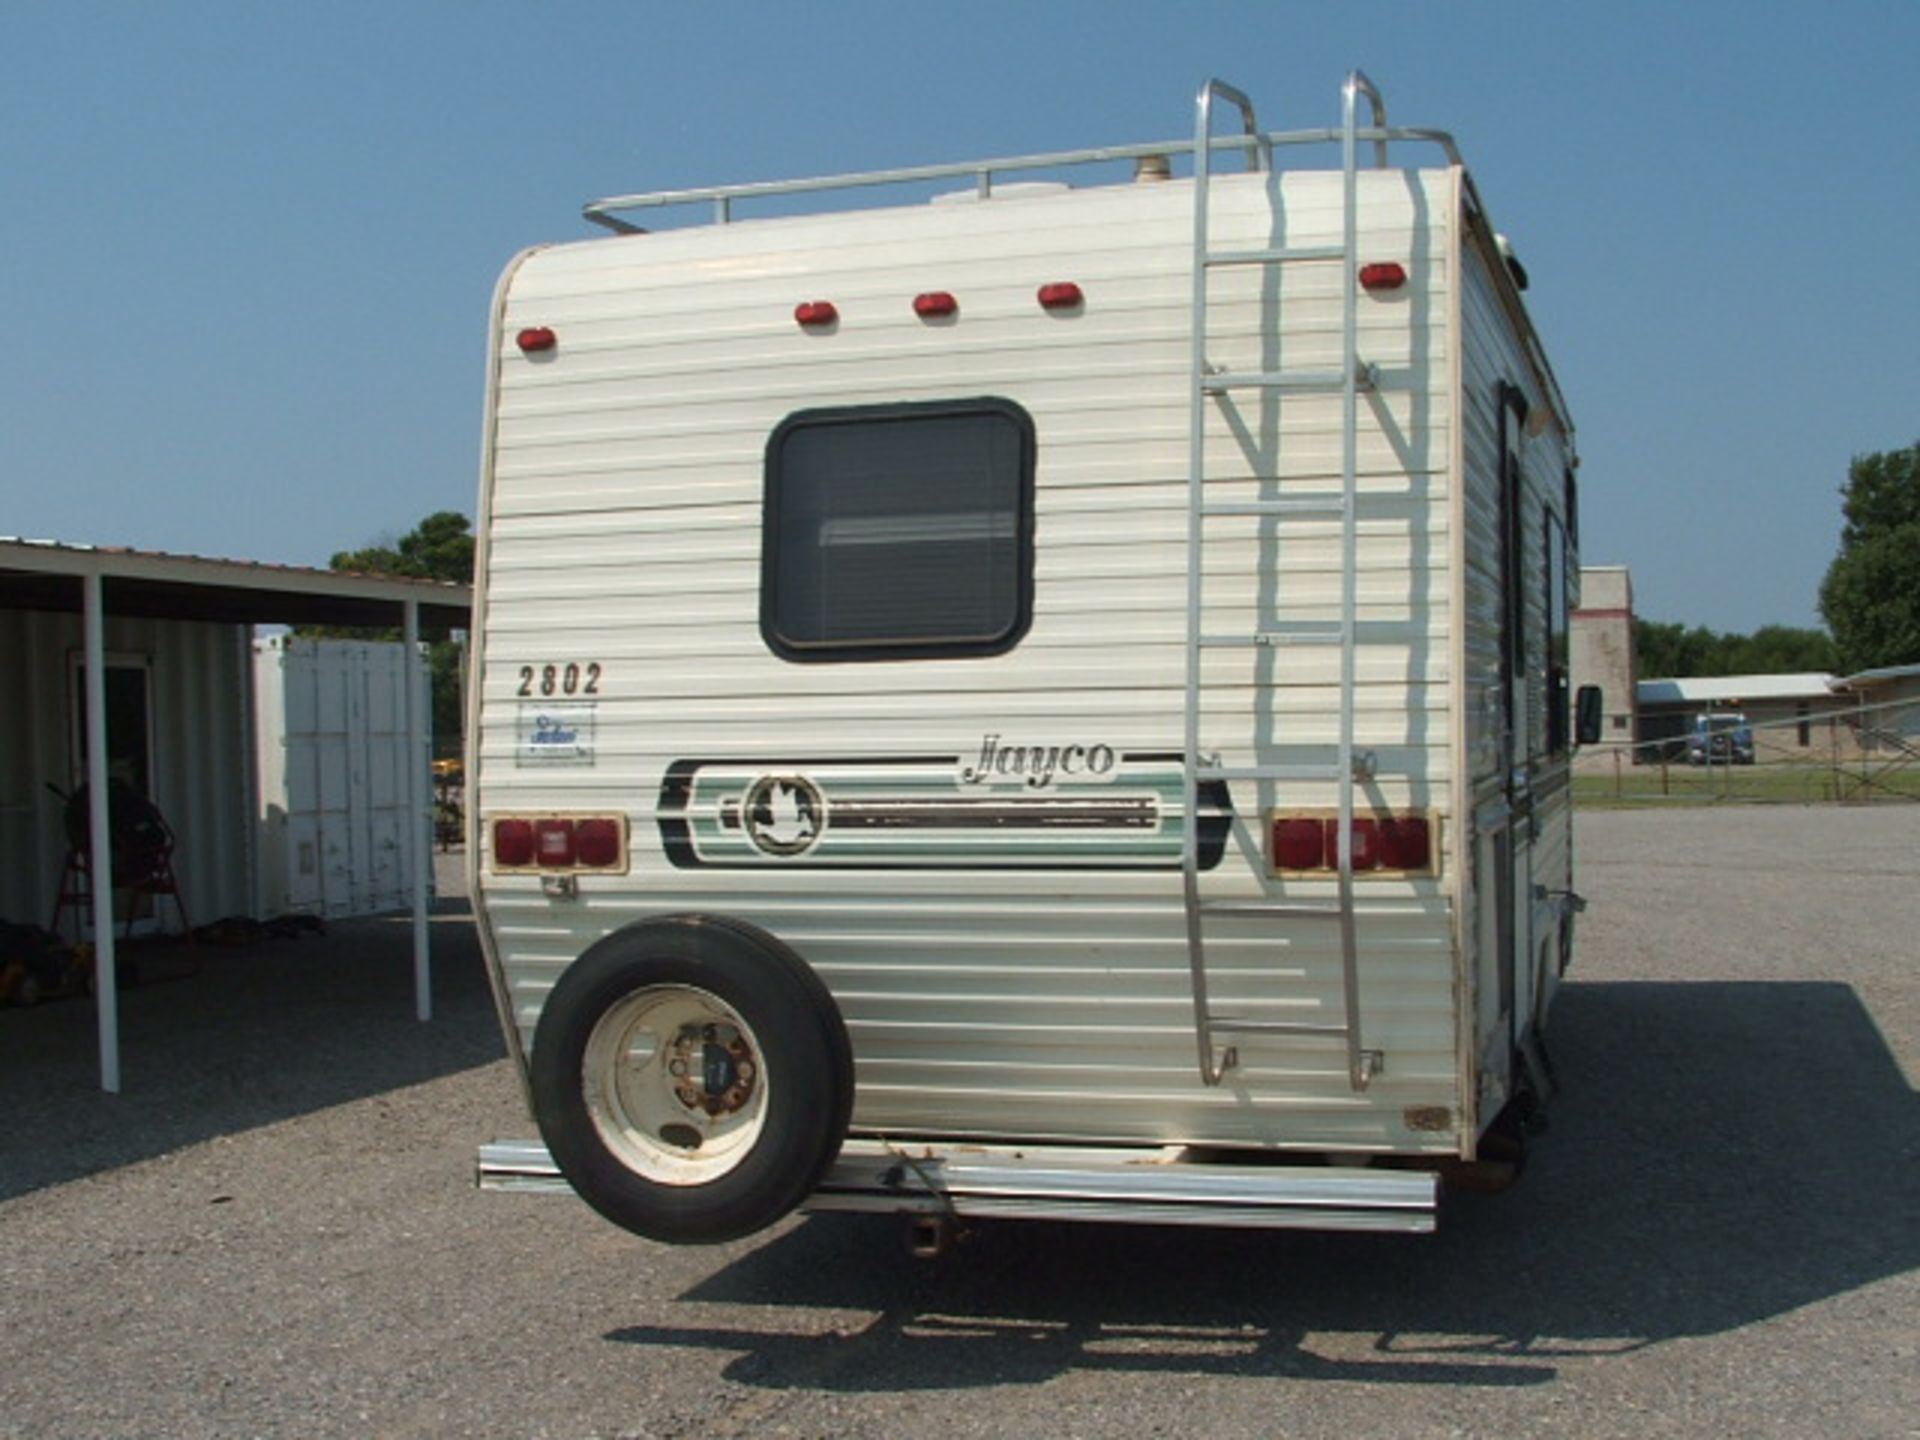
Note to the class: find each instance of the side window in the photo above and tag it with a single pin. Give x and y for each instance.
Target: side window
(1516, 720)
(1559, 642)
(898, 532)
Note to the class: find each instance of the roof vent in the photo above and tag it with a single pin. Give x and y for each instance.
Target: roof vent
(1514, 267)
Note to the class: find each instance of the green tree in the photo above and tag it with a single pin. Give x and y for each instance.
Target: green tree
(1666, 650)
(1782, 650)
(440, 547)
(1663, 649)
(1871, 596)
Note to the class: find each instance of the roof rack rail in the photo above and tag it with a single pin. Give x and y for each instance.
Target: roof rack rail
(984, 173)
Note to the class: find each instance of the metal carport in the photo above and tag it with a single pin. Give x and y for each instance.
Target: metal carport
(96, 582)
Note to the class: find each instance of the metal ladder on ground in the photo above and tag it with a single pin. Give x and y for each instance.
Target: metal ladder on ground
(1212, 386)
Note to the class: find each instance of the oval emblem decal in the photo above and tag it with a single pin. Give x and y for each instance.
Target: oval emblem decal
(785, 815)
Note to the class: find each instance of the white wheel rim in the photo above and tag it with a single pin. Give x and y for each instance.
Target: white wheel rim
(674, 1083)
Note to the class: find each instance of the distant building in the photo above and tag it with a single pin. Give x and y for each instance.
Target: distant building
(1800, 716)
(1808, 716)
(166, 642)
(1889, 708)
(1601, 648)
(177, 665)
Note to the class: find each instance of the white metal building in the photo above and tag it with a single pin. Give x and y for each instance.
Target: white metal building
(1889, 706)
(1794, 716)
(168, 640)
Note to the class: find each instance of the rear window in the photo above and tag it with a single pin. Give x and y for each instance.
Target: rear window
(899, 531)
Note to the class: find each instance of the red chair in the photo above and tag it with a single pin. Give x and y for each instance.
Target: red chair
(141, 843)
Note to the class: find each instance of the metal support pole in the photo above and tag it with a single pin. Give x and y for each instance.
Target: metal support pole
(106, 988)
(418, 841)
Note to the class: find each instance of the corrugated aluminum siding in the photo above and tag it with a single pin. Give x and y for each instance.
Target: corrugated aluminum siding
(200, 745)
(1492, 353)
(623, 529)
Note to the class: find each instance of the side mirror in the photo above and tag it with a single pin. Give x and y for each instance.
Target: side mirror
(1587, 715)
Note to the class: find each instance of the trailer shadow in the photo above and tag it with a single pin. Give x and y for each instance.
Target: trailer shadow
(1721, 1154)
(216, 1040)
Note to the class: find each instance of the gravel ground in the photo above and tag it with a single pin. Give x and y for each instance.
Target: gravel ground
(273, 1231)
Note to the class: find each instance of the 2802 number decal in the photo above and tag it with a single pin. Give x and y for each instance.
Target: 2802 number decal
(570, 678)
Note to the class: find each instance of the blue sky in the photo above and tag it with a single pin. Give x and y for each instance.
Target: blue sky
(248, 250)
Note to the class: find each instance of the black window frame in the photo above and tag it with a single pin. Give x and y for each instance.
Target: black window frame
(1557, 577)
(1512, 406)
(874, 648)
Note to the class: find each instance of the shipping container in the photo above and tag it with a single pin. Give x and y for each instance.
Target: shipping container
(335, 807)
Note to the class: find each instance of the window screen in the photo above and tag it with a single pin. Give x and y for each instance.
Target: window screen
(898, 531)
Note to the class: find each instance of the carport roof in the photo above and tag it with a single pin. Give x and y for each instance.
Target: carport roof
(37, 575)
(1715, 689)
(98, 581)
(1883, 675)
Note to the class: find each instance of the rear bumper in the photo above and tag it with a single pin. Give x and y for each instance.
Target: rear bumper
(1134, 1186)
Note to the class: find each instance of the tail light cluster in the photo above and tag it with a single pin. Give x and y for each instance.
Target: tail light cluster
(1308, 842)
(560, 844)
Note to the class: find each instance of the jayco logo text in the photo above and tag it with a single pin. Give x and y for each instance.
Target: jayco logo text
(1036, 765)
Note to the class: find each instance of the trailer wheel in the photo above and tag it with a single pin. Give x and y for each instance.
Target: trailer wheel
(692, 1078)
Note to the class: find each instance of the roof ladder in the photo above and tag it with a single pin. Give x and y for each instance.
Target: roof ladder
(1212, 386)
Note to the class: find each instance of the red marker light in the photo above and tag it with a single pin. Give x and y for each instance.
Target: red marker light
(536, 341)
(596, 842)
(1382, 275)
(512, 843)
(815, 313)
(1299, 844)
(1064, 295)
(934, 304)
(1406, 843)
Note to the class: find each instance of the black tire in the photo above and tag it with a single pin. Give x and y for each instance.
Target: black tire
(799, 1081)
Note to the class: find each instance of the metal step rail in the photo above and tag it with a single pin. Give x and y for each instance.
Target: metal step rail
(1213, 386)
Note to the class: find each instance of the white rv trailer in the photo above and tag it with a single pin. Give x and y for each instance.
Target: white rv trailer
(1047, 702)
